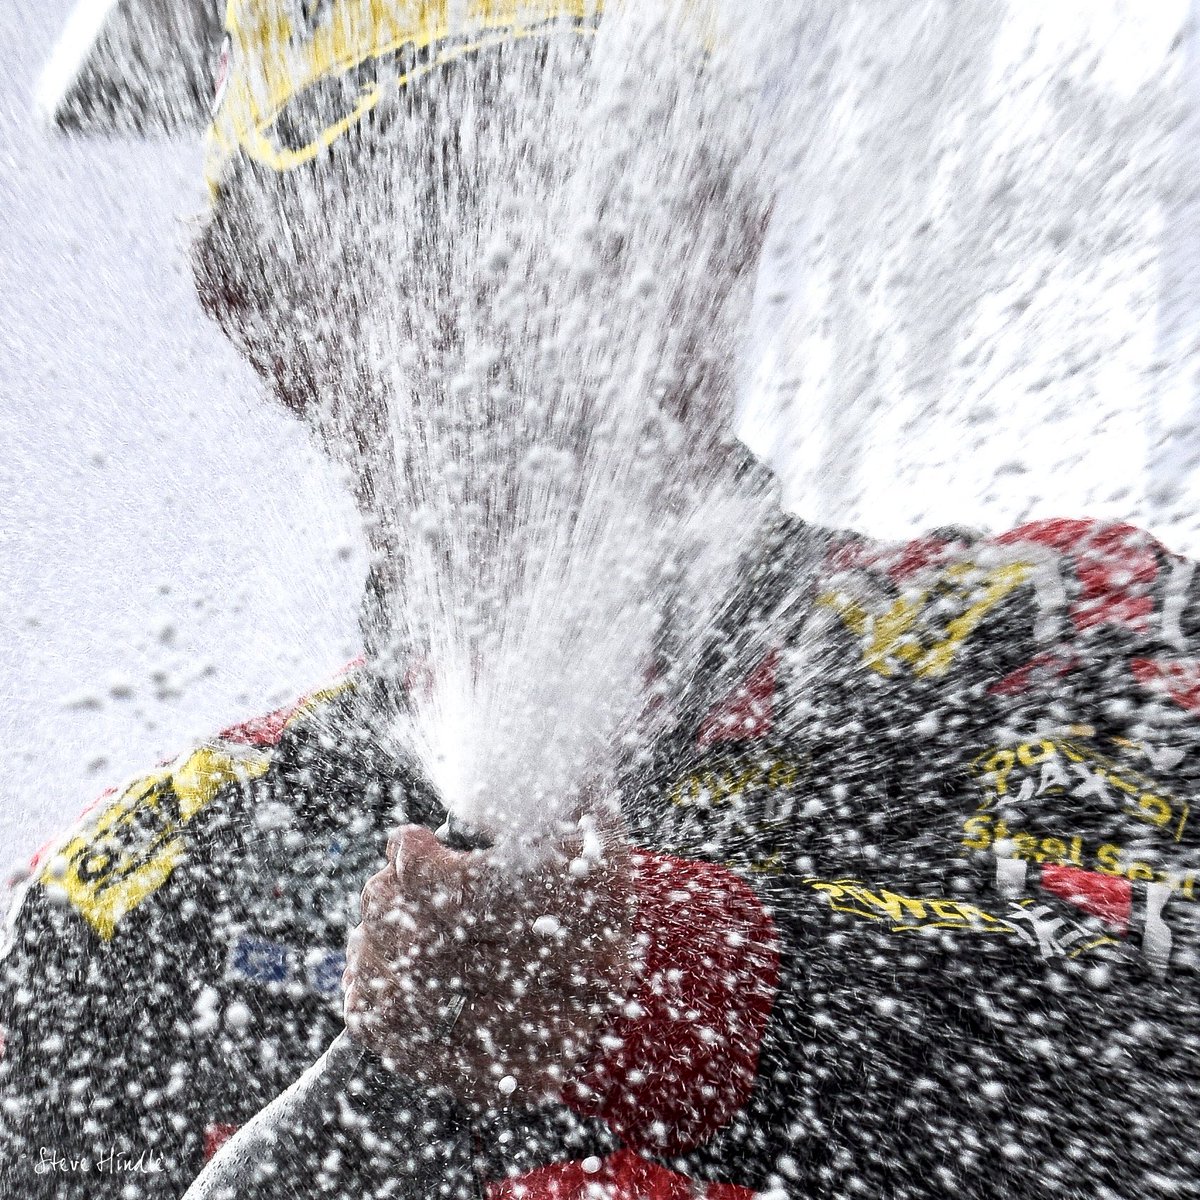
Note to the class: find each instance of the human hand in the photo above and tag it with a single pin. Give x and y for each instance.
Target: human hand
(537, 958)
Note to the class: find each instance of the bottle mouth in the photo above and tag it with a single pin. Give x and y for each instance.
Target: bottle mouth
(457, 834)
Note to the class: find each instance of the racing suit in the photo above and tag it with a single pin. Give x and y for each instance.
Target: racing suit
(916, 912)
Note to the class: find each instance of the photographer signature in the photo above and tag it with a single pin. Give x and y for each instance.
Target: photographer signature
(110, 1161)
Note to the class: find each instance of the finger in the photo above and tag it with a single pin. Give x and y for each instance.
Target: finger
(402, 835)
(395, 844)
(376, 961)
(428, 870)
(381, 899)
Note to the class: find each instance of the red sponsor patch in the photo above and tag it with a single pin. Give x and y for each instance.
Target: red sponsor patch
(1115, 565)
(1039, 668)
(265, 732)
(216, 1134)
(748, 712)
(1178, 678)
(621, 1176)
(898, 563)
(711, 950)
(1103, 896)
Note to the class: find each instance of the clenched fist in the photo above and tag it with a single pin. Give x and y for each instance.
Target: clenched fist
(488, 980)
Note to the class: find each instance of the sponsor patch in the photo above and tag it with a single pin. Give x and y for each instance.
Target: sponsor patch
(1116, 566)
(1026, 921)
(129, 849)
(747, 712)
(923, 628)
(258, 961)
(1065, 766)
(1110, 859)
(271, 964)
(1104, 896)
(722, 782)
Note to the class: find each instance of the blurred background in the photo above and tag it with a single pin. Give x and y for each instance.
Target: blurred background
(977, 309)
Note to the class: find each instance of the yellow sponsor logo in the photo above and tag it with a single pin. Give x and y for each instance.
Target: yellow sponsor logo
(912, 631)
(984, 832)
(739, 812)
(1069, 767)
(129, 850)
(719, 784)
(906, 913)
(1035, 925)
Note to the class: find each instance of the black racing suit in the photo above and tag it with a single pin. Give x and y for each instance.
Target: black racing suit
(918, 887)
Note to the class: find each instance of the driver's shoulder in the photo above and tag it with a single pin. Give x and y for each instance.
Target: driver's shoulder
(134, 849)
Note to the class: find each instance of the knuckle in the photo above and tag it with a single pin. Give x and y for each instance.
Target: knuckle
(395, 844)
(355, 947)
(378, 895)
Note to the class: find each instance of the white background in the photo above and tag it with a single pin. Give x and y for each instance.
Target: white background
(144, 482)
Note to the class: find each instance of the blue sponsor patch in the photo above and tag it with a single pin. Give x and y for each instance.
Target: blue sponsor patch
(325, 969)
(258, 961)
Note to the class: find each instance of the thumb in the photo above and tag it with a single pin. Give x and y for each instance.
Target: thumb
(424, 868)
